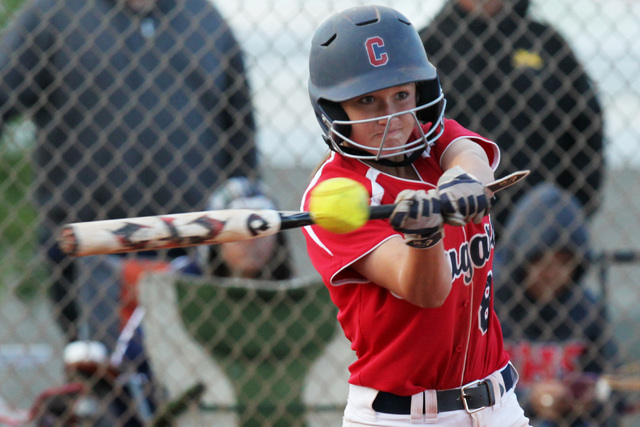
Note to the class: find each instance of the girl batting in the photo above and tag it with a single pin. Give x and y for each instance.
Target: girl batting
(414, 293)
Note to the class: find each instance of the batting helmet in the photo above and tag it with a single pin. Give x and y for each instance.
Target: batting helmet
(362, 50)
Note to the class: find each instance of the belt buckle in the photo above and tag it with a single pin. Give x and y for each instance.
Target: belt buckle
(463, 395)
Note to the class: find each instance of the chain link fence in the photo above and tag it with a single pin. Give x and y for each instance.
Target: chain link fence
(111, 113)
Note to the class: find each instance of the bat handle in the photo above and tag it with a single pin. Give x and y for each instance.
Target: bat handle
(385, 211)
(302, 219)
(381, 212)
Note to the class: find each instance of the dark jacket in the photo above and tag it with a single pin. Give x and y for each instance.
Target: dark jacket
(135, 114)
(518, 83)
(570, 335)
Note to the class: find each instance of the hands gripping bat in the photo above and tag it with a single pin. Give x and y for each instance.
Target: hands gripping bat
(198, 228)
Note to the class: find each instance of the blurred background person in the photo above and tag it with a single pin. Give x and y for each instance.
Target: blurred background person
(265, 258)
(517, 81)
(141, 107)
(556, 330)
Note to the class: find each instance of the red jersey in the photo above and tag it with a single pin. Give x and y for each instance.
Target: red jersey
(400, 347)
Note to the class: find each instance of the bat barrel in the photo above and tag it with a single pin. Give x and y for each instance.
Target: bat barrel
(168, 231)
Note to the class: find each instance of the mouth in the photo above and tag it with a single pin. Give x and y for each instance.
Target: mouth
(389, 132)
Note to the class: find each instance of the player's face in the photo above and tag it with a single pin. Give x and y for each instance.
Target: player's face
(382, 104)
(245, 258)
(488, 8)
(550, 274)
(141, 5)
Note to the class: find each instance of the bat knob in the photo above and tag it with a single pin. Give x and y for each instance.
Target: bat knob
(67, 241)
(602, 390)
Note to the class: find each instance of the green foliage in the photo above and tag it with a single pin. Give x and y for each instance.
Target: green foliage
(18, 223)
(17, 215)
(7, 10)
(265, 340)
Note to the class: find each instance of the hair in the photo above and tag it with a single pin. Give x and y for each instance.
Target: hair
(320, 163)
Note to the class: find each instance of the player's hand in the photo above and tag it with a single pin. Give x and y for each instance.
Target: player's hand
(417, 216)
(462, 197)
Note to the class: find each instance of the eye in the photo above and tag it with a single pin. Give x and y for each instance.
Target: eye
(366, 100)
(403, 95)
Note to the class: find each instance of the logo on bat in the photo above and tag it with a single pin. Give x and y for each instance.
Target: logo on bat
(212, 225)
(257, 224)
(124, 235)
(175, 236)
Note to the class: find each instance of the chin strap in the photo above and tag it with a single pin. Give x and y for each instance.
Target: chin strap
(406, 162)
(384, 162)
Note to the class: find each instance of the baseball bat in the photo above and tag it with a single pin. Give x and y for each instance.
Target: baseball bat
(626, 378)
(621, 382)
(198, 228)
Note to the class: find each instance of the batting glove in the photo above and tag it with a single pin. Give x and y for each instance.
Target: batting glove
(462, 197)
(417, 216)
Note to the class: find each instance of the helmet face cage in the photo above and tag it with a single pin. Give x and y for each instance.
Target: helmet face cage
(338, 128)
(362, 50)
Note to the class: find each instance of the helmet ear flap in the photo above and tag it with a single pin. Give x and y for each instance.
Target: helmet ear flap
(427, 91)
(333, 111)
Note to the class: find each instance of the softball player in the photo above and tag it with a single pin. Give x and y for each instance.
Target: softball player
(414, 293)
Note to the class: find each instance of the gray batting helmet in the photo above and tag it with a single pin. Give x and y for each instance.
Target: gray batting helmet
(362, 50)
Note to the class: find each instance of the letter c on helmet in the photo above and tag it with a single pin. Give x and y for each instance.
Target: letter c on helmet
(376, 51)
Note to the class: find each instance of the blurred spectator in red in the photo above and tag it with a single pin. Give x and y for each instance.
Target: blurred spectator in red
(556, 331)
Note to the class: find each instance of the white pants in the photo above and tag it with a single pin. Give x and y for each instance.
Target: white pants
(505, 413)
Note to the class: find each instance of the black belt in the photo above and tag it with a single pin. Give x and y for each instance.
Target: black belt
(474, 396)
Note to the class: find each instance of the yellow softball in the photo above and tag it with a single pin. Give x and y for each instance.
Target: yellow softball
(339, 205)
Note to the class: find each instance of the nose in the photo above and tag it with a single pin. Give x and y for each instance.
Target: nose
(384, 114)
(384, 119)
